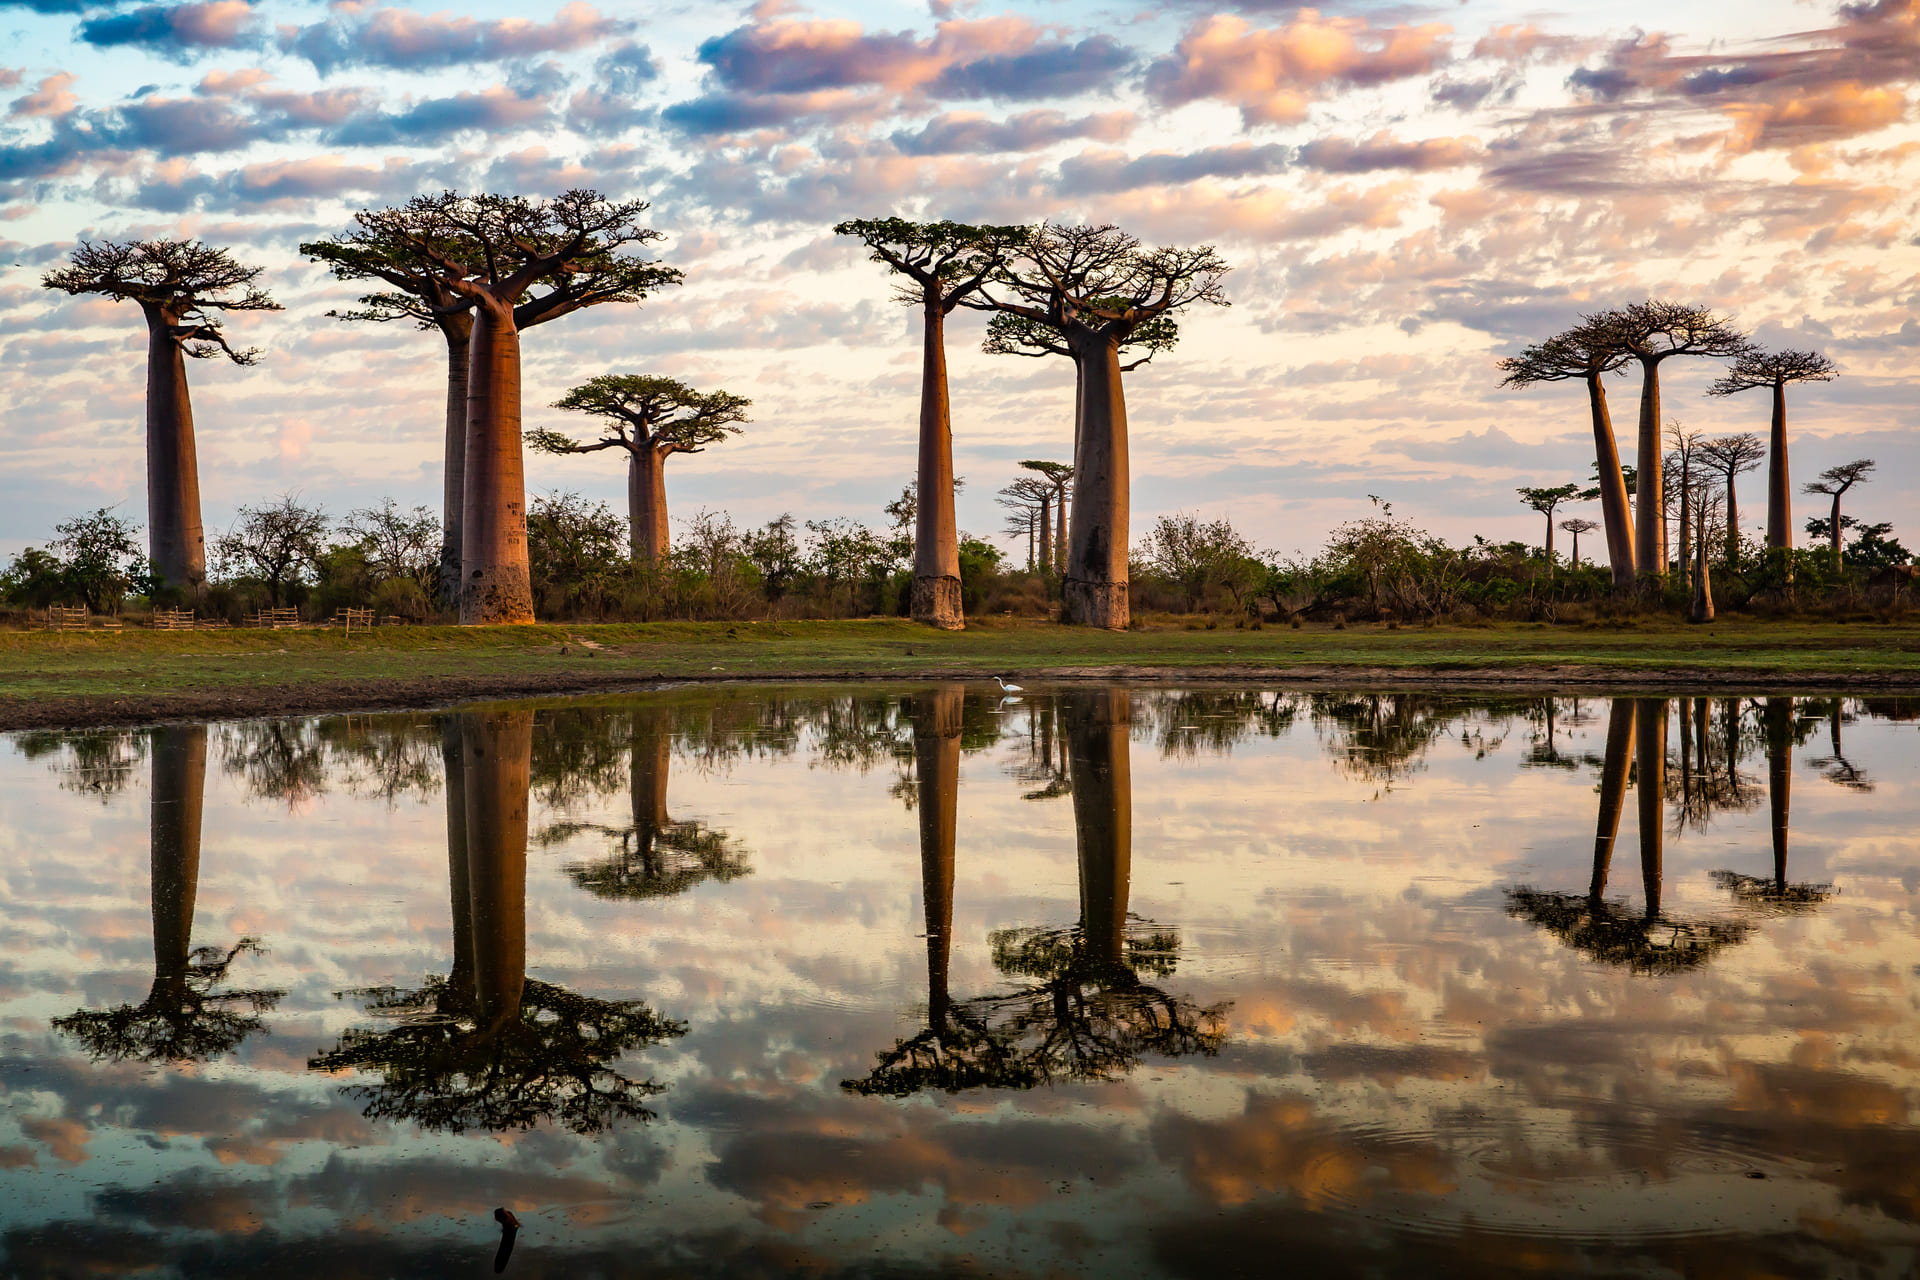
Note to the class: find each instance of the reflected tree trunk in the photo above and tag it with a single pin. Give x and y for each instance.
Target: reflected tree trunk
(936, 760)
(652, 758)
(496, 759)
(179, 790)
(1778, 716)
(1650, 732)
(1099, 729)
(460, 976)
(1613, 790)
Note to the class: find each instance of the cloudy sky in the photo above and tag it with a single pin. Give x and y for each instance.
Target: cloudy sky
(1406, 193)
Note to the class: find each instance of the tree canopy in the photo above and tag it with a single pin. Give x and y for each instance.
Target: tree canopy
(185, 281)
(641, 411)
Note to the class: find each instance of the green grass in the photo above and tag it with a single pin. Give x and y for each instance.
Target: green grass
(135, 665)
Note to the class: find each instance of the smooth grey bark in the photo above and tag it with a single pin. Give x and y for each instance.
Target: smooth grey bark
(457, 329)
(176, 538)
(495, 582)
(1096, 570)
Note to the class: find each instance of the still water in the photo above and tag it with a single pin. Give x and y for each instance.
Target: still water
(927, 981)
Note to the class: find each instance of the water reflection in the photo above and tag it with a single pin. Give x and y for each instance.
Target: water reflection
(187, 1015)
(486, 1047)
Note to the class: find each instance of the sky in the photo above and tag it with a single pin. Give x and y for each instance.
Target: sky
(1405, 193)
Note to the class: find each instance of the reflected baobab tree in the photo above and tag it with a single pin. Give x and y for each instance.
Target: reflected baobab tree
(1611, 932)
(1777, 893)
(1046, 755)
(487, 1047)
(96, 762)
(653, 856)
(1086, 1012)
(187, 1016)
(1835, 766)
(281, 759)
(1211, 722)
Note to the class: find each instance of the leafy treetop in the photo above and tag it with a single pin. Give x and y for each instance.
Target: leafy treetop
(641, 411)
(178, 283)
(1756, 368)
(945, 260)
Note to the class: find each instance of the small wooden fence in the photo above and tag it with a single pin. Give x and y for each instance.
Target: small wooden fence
(62, 618)
(351, 618)
(173, 620)
(276, 619)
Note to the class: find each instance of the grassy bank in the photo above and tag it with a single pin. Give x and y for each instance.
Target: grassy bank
(93, 678)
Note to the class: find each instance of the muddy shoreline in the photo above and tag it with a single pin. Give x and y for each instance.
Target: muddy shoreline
(332, 698)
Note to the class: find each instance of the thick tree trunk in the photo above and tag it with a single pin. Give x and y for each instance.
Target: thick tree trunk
(1096, 573)
(1046, 532)
(458, 330)
(936, 759)
(496, 754)
(460, 976)
(1098, 734)
(649, 763)
(1613, 789)
(176, 539)
(1778, 718)
(1733, 526)
(1779, 485)
(1650, 732)
(1702, 610)
(1576, 549)
(936, 536)
(1059, 528)
(1834, 532)
(494, 581)
(1614, 513)
(647, 503)
(1549, 544)
(179, 788)
(1649, 508)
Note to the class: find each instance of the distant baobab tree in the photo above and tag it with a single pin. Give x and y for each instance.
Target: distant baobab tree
(1053, 542)
(944, 263)
(651, 418)
(1544, 501)
(1095, 286)
(182, 286)
(493, 252)
(1583, 354)
(1754, 369)
(388, 246)
(1834, 482)
(1026, 501)
(1576, 527)
(1652, 333)
(1732, 456)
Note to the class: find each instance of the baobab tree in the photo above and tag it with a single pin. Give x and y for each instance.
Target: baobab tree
(1095, 286)
(385, 248)
(944, 263)
(1053, 542)
(1026, 501)
(1834, 482)
(652, 419)
(496, 253)
(1753, 369)
(182, 287)
(1684, 449)
(1544, 501)
(1581, 353)
(1016, 335)
(1652, 333)
(1576, 527)
(1733, 456)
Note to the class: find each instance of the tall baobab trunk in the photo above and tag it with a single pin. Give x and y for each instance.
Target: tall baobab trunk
(1613, 789)
(495, 585)
(1096, 573)
(1549, 542)
(458, 330)
(647, 503)
(936, 535)
(1702, 610)
(1833, 518)
(1614, 513)
(459, 891)
(1650, 732)
(1733, 525)
(1649, 508)
(1779, 485)
(1779, 726)
(1046, 533)
(936, 762)
(1098, 736)
(496, 757)
(179, 787)
(176, 539)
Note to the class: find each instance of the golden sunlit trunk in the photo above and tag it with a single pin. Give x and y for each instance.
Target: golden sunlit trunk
(176, 540)
(496, 757)
(936, 538)
(494, 582)
(1614, 512)
(647, 503)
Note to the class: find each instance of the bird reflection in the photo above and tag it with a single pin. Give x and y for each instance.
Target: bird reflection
(654, 856)
(186, 1016)
(487, 1047)
(1611, 932)
(1086, 1012)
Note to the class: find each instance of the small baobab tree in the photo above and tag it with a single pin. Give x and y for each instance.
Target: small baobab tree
(1026, 501)
(652, 419)
(1095, 286)
(1834, 482)
(1576, 527)
(1730, 457)
(1544, 501)
(1053, 541)
(494, 253)
(394, 248)
(1584, 354)
(1651, 333)
(1752, 370)
(182, 287)
(943, 264)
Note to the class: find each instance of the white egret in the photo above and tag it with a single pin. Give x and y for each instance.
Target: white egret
(1005, 687)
